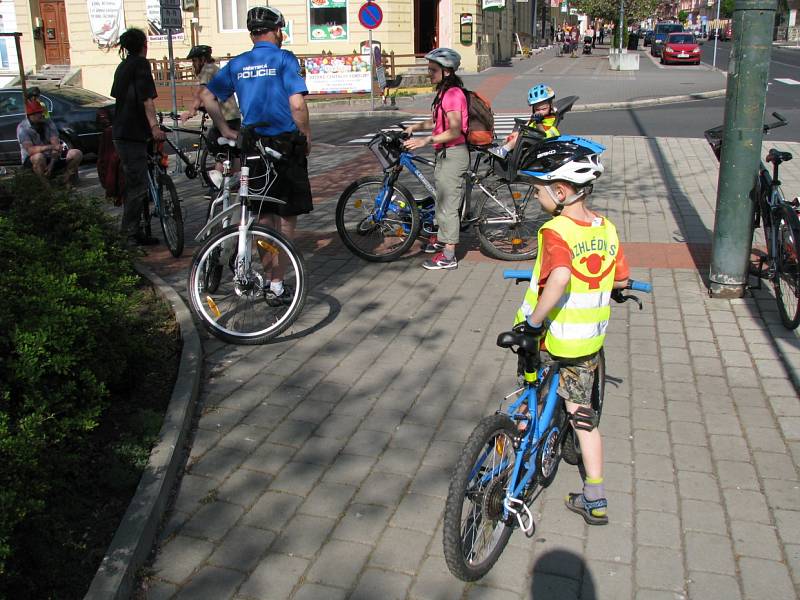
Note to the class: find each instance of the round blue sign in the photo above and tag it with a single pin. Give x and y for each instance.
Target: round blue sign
(370, 15)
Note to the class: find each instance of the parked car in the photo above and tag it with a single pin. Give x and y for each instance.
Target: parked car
(660, 34)
(680, 48)
(726, 33)
(648, 37)
(79, 115)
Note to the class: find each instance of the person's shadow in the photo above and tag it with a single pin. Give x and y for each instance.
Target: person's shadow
(562, 575)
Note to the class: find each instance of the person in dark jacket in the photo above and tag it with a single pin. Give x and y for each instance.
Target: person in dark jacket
(135, 124)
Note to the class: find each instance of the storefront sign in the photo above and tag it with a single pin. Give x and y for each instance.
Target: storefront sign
(494, 4)
(155, 32)
(465, 29)
(327, 3)
(328, 32)
(106, 20)
(338, 74)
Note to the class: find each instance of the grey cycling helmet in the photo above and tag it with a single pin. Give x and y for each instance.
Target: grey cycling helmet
(445, 57)
(198, 51)
(264, 18)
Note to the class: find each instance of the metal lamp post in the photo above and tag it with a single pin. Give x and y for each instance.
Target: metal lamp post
(716, 37)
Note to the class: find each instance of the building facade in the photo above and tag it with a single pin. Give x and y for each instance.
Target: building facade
(81, 33)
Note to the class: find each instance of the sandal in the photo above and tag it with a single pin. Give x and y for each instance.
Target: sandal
(592, 511)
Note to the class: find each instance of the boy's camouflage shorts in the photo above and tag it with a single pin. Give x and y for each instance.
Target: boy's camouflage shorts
(576, 380)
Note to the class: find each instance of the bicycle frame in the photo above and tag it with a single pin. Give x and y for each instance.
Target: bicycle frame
(154, 170)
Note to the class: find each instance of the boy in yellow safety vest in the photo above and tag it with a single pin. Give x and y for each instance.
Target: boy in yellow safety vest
(580, 261)
(543, 118)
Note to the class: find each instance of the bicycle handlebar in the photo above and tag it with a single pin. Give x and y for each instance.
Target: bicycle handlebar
(616, 295)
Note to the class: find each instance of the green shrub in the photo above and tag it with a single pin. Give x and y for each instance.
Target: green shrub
(69, 336)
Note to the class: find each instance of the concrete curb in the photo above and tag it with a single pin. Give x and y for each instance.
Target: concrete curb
(333, 115)
(136, 533)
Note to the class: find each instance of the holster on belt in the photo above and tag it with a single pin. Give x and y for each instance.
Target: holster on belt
(289, 144)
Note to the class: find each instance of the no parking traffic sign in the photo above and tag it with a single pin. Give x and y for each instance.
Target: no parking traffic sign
(370, 15)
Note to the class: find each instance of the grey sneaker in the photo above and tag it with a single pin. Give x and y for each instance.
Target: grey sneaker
(440, 261)
(433, 245)
(283, 300)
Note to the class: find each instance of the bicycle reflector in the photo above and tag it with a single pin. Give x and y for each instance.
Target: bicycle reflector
(164, 160)
(268, 247)
(213, 306)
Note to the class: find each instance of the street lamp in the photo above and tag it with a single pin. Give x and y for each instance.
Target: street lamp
(716, 37)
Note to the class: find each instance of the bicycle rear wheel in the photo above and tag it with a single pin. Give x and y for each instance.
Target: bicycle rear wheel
(237, 310)
(787, 273)
(171, 215)
(509, 221)
(382, 240)
(475, 532)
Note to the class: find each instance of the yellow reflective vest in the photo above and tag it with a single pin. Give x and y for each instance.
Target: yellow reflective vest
(547, 126)
(576, 326)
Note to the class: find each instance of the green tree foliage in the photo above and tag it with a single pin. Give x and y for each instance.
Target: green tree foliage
(68, 336)
(726, 9)
(635, 10)
(683, 16)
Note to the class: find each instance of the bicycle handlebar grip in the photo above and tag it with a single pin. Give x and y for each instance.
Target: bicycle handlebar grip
(640, 286)
(518, 274)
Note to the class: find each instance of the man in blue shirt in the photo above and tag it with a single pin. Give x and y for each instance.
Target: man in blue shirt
(267, 82)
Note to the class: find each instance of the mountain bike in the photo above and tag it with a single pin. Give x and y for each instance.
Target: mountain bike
(166, 205)
(503, 468)
(230, 274)
(780, 225)
(204, 161)
(379, 219)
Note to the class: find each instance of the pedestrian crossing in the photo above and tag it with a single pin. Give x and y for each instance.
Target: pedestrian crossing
(789, 81)
(503, 125)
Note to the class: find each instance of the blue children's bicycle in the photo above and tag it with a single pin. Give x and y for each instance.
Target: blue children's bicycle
(503, 468)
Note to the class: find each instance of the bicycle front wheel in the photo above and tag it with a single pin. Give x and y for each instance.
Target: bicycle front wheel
(787, 273)
(475, 530)
(239, 309)
(372, 238)
(509, 221)
(171, 215)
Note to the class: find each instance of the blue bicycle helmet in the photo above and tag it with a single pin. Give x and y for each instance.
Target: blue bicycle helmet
(540, 93)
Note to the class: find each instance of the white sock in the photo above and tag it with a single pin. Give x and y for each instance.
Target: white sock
(276, 287)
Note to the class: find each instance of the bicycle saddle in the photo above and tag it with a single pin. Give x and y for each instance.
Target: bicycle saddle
(223, 141)
(525, 342)
(777, 157)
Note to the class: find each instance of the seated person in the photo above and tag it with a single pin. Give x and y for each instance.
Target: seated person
(40, 146)
(543, 118)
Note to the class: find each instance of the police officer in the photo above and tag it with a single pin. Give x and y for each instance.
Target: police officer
(270, 89)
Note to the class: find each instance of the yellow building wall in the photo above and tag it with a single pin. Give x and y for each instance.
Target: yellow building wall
(25, 26)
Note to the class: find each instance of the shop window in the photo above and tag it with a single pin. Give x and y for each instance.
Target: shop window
(327, 20)
(232, 15)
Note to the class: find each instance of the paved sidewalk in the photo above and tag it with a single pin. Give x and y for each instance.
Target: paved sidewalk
(320, 462)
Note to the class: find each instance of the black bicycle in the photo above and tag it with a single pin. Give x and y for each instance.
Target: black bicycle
(162, 193)
(205, 159)
(780, 225)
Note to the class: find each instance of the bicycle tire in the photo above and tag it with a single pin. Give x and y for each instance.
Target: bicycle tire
(233, 301)
(171, 215)
(205, 164)
(787, 263)
(570, 448)
(358, 200)
(515, 240)
(482, 442)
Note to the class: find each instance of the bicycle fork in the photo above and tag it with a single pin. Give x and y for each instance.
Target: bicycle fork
(243, 257)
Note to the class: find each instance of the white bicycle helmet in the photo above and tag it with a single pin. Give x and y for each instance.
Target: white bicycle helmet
(445, 57)
(567, 158)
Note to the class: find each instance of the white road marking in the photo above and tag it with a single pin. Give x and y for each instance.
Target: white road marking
(789, 81)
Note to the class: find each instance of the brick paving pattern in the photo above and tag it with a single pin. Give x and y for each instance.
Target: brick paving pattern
(320, 462)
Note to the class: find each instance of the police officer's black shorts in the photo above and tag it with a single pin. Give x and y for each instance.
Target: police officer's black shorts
(292, 184)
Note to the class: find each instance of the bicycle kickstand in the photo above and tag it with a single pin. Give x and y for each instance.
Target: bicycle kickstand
(528, 529)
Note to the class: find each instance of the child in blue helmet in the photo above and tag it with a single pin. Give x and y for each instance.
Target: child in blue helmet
(543, 118)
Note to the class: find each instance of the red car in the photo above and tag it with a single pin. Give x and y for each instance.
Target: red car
(681, 48)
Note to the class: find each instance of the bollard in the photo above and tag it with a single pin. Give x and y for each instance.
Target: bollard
(741, 146)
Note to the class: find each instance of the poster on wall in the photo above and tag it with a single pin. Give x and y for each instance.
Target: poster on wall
(327, 20)
(8, 24)
(287, 33)
(494, 4)
(107, 21)
(154, 31)
(338, 74)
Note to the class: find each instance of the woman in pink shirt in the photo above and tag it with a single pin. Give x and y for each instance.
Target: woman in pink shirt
(449, 120)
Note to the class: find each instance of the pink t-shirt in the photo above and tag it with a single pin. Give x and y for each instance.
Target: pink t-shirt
(453, 100)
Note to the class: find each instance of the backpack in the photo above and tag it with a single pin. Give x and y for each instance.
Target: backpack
(480, 119)
(480, 128)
